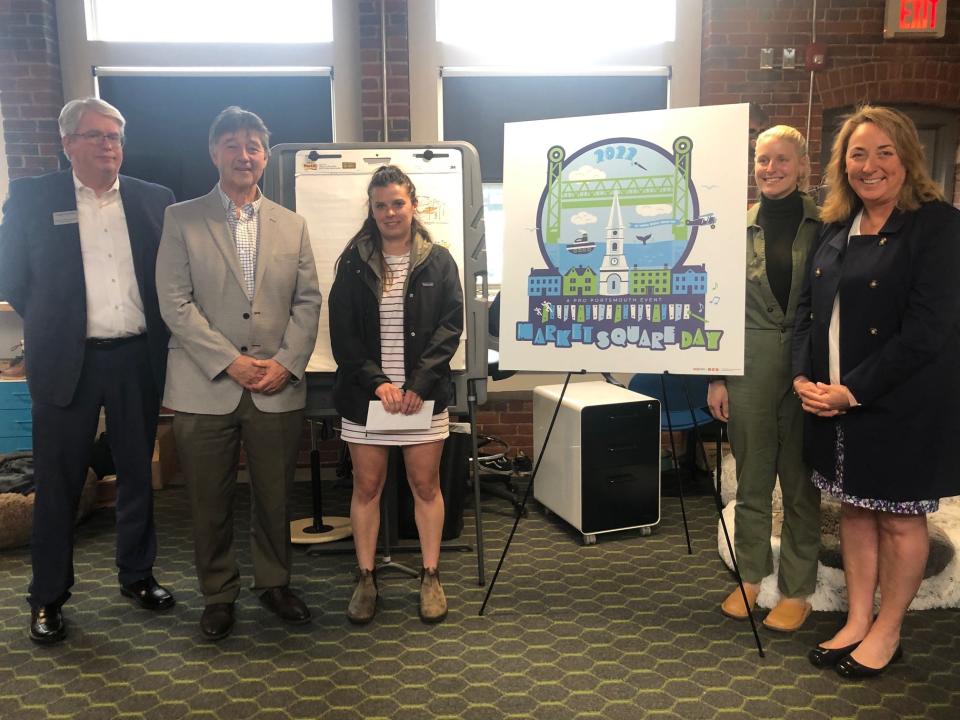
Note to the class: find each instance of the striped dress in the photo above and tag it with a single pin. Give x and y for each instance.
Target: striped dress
(391, 359)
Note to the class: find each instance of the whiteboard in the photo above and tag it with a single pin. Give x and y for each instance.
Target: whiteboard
(330, 189)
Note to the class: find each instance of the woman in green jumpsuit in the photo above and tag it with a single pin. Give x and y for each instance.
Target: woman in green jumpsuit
(764, 416)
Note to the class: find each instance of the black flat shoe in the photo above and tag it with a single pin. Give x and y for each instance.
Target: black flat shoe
(851, 669)
(46, 625)
(149, 594)
(822, 657)
(216, 622)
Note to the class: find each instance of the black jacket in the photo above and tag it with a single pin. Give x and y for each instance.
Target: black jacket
(899, 353)
(432, 325)
(41, 276)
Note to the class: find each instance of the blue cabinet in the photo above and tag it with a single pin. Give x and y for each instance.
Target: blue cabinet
(16, 423)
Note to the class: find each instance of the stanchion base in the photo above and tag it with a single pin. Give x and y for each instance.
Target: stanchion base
(302, 532)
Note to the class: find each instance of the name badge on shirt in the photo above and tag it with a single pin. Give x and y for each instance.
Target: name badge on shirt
(66, 217)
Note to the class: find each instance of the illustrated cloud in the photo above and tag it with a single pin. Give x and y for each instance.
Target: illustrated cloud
(583, 218)
(587, 172)
(654, 210)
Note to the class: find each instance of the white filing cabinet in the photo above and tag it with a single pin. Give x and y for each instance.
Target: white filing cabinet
(601, 468)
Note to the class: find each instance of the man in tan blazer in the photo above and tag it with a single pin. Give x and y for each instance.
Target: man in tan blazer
(238, 288)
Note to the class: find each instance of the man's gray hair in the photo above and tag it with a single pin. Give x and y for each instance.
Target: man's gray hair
(236, 118)
(73, 111)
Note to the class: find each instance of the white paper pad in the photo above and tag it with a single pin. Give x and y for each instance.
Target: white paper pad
(380, 420)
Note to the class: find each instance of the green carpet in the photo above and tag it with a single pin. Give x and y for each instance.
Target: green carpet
(627, 628)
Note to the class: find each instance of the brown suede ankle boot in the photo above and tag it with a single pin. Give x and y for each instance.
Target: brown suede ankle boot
(363, 604)
(433, 603)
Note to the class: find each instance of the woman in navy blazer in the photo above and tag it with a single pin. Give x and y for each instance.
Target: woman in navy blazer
(876, 352)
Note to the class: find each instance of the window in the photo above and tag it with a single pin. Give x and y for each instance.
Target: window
(476, 106)
(527, 31)
(513, 61)
(206, 21)
(168, 117)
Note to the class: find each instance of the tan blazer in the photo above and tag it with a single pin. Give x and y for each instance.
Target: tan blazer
(203, 301)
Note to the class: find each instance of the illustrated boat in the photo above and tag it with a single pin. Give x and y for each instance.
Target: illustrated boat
(581, 246)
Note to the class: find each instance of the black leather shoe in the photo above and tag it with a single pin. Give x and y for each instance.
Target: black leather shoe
(822, 657)
(851, 669)
(216, 622)
(149, 594)
(285, 605)
(46, 625)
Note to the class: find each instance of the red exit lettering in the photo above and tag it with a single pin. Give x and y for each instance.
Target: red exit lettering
(918, 14)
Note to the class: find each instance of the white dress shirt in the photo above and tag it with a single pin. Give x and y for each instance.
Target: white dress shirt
(114, 305)
(833, 334)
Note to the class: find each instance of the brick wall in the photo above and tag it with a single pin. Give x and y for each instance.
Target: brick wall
(30, 89)
(398, 71)
(861, 65)
(510, 419)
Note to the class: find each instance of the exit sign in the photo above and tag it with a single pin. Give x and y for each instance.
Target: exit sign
(915, 18)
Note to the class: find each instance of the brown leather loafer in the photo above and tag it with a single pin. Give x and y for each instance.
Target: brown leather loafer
(283, 603)
(46, 625)
(733, 606)
(216, 622)
(788, 615)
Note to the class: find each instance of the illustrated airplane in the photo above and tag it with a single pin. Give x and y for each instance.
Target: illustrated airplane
(705, 219)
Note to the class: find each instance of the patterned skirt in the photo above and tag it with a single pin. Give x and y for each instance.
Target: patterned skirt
(835, 488)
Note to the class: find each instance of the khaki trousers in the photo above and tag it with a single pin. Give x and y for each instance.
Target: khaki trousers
(209, 450)
(766, 437)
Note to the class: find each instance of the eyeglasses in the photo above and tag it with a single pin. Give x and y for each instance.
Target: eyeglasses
(96, 137)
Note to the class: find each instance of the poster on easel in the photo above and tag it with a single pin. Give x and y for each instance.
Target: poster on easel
(624, 242)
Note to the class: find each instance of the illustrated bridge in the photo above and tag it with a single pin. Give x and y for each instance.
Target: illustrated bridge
(672, 189)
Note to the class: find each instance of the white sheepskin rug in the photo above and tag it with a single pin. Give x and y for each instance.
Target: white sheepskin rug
(939, 591)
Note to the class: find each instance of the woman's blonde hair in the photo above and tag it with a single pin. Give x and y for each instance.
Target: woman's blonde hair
(918, 187)
(794, 137)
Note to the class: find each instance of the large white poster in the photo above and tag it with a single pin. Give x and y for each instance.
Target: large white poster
(624, 242)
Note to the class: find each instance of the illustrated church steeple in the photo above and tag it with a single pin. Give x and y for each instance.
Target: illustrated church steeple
(614, 272)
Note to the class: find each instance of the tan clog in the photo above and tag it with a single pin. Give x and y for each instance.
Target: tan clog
(733, 606)
(788, 615)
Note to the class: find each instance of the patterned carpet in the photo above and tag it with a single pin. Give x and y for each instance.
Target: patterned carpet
(626, 628)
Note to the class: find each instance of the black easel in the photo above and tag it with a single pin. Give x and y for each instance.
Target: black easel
(533, 477)
(673, 451)
(526, 494)
(472, 410)
(719, 502)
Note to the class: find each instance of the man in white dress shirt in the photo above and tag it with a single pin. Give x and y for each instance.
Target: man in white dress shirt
(77, 256)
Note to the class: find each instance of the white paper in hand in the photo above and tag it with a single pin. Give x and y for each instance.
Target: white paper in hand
(380, 420)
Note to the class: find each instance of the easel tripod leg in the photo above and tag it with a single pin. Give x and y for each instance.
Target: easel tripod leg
(472, 410)
(726, 537)
(526, 494)
(676, 464)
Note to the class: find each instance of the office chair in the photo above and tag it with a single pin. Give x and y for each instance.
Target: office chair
(680, 417)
